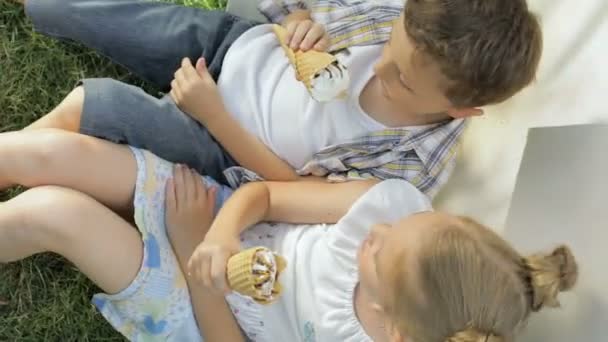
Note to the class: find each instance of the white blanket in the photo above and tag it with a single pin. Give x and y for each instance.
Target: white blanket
(571, 88)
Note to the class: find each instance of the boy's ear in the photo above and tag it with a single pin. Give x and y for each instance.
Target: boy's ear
(460, 113)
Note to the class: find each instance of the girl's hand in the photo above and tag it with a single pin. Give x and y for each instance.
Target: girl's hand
(208, 262)
(189, 211)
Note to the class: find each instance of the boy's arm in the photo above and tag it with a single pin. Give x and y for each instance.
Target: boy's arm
(248, 150)
(195, 92)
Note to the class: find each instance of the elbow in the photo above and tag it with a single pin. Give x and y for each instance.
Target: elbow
(260, 193)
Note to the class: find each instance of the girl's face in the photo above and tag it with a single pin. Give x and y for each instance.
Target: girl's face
(389, 250)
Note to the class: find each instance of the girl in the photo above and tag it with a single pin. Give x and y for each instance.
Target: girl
(386, 269)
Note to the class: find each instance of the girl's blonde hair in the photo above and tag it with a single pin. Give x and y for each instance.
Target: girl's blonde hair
(476, 287)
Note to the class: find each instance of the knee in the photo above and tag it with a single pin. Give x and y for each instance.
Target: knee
(46, 152)
(69, 112)
(45, 212)
(31, 213)
(66, 116)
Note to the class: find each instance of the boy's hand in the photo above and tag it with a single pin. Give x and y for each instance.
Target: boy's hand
(189, 211)
(195, 92)
(306, 34)
(208, 262)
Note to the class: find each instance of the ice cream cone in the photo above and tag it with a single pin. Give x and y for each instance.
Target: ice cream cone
(312, 64)
(254, 273)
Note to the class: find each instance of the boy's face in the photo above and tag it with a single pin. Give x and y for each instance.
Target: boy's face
(411, 83)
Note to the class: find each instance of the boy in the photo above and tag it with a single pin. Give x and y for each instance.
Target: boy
(416, 71)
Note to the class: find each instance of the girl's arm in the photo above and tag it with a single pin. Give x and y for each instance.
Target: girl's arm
(292, 202)
(189, 212)
(213, 315)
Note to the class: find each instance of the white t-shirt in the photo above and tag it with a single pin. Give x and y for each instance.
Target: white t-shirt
(322, 270)
(260, 90)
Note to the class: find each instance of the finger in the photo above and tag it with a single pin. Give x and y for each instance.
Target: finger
(174, 96)
(218, 273)
(202, 190)
(178, 177)
(291, 29)
(187, 189)
(186, 62)
(193, 185)
(188, 69)
(175, 88)
(210, 201)
(179, 76)
(179, 82)
(201, 68)
(170, 202)
(313, 36)
(323, 44)
(187, 184)
(192, 262)
(300, 33)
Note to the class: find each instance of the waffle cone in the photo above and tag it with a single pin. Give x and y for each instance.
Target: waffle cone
(306, 64)
(242, 279)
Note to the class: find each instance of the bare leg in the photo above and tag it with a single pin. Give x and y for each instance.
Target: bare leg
(101, 169)
(66, 115)
(104, 247)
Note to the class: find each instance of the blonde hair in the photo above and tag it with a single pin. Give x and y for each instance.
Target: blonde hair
(472, 286)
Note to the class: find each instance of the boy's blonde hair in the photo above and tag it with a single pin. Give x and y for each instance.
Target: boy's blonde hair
(473, 287)
(488, 49)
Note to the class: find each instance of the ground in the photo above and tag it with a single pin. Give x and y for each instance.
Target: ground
(45, 298)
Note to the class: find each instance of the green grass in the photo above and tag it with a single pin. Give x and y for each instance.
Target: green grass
(45, 298)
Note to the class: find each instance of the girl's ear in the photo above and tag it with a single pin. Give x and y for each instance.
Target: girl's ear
(378, 309)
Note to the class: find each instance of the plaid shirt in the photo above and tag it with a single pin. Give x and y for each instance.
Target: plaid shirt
(424, 156)
(354, 22)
